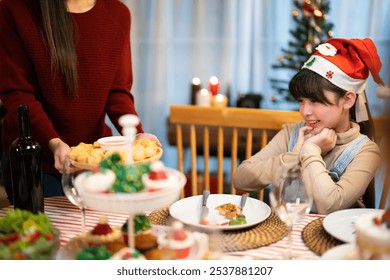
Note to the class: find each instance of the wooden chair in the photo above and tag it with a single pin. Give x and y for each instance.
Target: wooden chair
(241, 123)
(382, 138)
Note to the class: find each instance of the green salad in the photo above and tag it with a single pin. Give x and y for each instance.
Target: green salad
(24, 235)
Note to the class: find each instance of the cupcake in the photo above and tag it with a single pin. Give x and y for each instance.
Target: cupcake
(103, 233)
(373, 236)
(160, 254)
(127, 254)
(179, 240)
(142, 225)
(145, 242)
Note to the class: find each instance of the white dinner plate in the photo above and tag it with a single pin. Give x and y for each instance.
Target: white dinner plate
(341, 224)
(342, 252)
(188, 210)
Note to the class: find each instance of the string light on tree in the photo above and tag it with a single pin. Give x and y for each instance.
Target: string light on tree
(312, 29)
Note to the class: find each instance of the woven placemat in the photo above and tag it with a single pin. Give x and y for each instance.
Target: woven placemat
(317, 239)
(269, 231)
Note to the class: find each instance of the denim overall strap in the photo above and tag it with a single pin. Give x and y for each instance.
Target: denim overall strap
(294, 135)
(346, 157)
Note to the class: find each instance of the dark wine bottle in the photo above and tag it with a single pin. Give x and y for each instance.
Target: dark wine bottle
(26, 167)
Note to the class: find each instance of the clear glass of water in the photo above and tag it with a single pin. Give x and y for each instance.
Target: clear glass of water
(290, 201)
(70, 191)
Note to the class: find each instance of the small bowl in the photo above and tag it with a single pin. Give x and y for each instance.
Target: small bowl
(114, 143)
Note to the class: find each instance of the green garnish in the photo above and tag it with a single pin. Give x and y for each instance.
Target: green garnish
(240, 220)
(128, 177)
(98, 252)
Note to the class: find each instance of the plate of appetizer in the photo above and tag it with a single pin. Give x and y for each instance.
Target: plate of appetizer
(88, 156)
(224, 212)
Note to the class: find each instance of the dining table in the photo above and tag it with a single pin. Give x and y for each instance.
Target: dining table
(67, 219)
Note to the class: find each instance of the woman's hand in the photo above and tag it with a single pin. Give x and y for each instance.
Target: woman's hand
(60, 152)
(326, 140)
(148, 136)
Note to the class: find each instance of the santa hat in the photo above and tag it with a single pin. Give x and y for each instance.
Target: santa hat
(347, 64)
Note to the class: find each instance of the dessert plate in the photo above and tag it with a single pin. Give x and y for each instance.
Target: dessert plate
(75, 244)
(131, 203)
(188, 210)
(341, 252)
(341, 224)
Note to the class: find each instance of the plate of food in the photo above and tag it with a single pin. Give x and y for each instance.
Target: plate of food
(221, 212)
(341, 224)
(27, 236)
(88, 156)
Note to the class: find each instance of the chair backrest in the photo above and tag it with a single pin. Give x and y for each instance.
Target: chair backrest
(382, 138)
(241, 128)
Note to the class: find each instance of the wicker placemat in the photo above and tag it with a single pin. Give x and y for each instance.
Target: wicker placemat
(269, 231)
(317, 239)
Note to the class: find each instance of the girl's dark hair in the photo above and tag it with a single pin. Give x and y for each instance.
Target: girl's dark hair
(310, 85)
(58, 34)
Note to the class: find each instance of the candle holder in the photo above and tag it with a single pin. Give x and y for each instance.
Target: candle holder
(195, 87)
(214, 85)
(219, 100)
(203, 98)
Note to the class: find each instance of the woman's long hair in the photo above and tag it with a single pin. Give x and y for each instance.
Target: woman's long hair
(310, 85)
(58, 34)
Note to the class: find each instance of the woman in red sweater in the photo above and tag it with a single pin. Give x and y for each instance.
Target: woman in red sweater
(70, 62)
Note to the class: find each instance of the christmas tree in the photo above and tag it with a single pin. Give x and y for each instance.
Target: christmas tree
(312, 29)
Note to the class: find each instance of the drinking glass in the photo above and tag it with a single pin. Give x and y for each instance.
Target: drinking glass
(290, 201)
(70, 191)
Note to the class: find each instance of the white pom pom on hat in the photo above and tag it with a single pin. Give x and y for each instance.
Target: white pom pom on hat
(383, 92)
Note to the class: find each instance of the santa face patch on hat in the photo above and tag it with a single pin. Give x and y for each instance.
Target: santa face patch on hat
(346, 63)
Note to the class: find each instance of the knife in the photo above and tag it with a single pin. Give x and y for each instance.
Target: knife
(242, 204)
(205, 210)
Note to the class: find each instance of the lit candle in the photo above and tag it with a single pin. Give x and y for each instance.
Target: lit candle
(214, 85)
(195, 87)
(203, 98)
(219, 100)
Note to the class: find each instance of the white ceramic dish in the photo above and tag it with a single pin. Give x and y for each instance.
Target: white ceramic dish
(187, 211)
(341, 252)
(114, 143)
(131, 203)
(341, 224)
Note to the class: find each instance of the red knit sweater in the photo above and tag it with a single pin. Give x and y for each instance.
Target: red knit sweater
(104, 69)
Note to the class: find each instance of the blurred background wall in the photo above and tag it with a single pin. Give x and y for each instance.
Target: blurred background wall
(236, 40)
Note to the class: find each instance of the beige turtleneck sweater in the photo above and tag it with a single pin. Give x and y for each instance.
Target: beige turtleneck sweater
(259, 170)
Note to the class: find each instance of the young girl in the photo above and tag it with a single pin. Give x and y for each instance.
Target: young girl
(336, 162)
